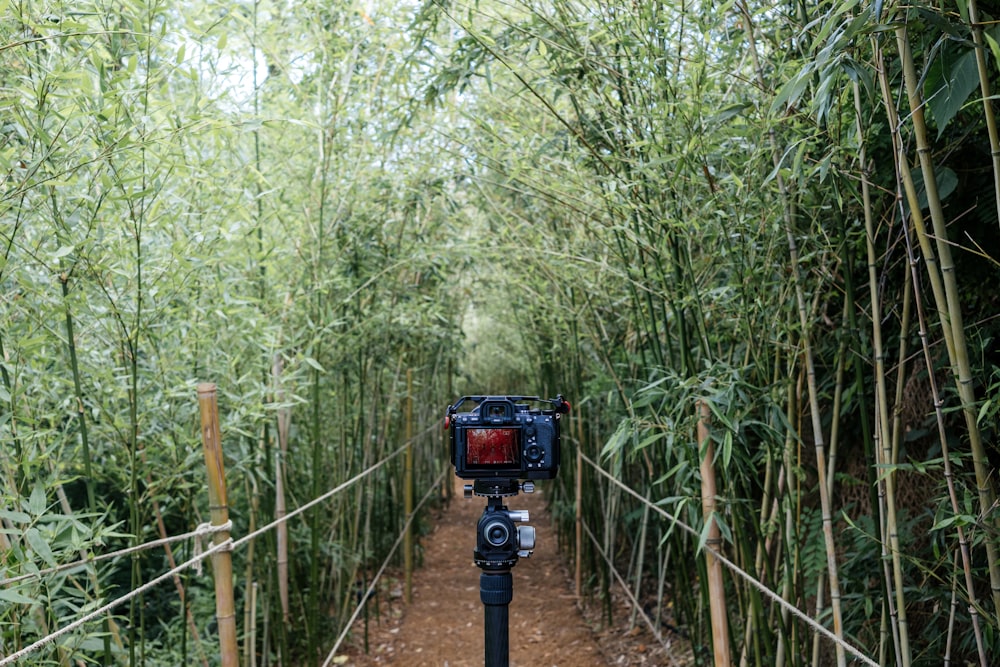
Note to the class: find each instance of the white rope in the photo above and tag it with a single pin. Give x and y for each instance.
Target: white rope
(795, 611)
(111, 605)
(201, 531)
(378, 575)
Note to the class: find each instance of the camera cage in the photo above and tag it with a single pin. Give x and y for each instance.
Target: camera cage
(503, 437)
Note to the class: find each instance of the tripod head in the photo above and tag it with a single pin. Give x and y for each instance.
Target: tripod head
(499, 543)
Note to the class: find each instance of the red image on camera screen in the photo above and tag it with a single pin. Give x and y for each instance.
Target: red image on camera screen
(491, 447)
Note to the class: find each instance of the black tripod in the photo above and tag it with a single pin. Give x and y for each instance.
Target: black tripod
(499, 545)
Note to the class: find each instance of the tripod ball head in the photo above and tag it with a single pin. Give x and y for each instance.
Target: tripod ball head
(499, 543)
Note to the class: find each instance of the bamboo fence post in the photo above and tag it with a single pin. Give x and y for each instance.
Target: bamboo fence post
(280, 504)
(716, 587)
(222, 561)
(408, 490)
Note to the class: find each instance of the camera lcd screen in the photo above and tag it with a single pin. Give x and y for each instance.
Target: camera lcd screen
(492, 447)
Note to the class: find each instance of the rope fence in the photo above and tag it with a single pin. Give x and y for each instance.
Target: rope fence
(206, 529)
(201, 531)
(736, 569)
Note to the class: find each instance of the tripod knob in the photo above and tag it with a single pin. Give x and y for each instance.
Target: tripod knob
(467, 490)
(526, 538)
(528, 487)
(518, 515)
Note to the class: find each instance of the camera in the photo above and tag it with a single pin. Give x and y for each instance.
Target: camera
(502, 437)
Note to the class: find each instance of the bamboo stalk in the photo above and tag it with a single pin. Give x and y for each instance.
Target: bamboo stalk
(768, 516)
(15, 472)
(789, 498)
(882, 431)
(222, 561)
(807, 354)
(250, 643)
(578, 574)
(950, 307)
(639, 558)
(280, 510)
(110, 627)
(888, 462)
(984, 88)
(408, 490)
(81, 412)
(964, 549)
(161, 528)
(716, 585)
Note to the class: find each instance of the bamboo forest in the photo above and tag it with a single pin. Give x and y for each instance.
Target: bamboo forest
(755, 244)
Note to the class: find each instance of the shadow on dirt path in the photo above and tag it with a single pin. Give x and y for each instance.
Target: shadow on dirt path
(443, 627)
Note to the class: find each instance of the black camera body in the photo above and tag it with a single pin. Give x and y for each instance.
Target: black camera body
(502, 437)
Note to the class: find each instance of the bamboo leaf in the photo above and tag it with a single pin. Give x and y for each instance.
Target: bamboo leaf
(963, 9)
(315, 364)
(949, 84)
(729, 112)
(40, 546)
(16, 517)
(649, 440)
(789, 94)
(991, 39)
(947, 181)
(62, 252)
(12, 596)
(963, 520)
(621, 436)
(36, 502)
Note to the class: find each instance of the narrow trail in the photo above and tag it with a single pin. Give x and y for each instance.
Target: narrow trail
(443, 626)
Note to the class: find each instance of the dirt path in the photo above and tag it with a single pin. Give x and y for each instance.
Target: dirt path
(443, 627)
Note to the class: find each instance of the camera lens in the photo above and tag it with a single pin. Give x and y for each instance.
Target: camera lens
(496, 533)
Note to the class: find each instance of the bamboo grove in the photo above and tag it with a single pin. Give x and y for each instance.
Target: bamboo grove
(788, 211)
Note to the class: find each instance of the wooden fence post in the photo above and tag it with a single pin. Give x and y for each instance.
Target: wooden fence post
(222, 561)
(716, 586)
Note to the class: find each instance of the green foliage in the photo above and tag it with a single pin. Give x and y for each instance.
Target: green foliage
(660, 192)
(174, 211)
(620, 203)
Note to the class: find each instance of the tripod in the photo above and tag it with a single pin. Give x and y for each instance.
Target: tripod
(499, 545)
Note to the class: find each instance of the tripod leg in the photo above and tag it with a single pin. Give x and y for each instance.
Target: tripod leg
(496, 590)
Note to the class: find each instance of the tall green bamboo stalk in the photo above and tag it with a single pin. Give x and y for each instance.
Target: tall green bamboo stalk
(807, 354)
(984, 88)
(949, 307)
(964, 550)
